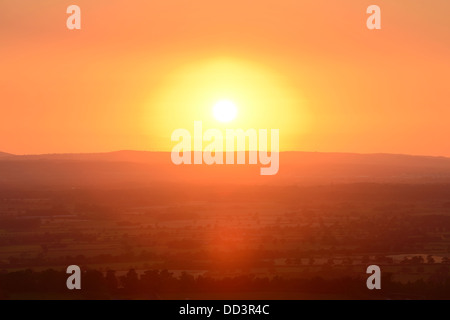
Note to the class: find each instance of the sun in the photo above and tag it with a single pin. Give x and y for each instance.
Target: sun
(225, 110)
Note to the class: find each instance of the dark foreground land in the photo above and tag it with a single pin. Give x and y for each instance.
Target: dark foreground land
(177, 240)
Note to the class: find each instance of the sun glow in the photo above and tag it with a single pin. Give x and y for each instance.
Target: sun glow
(226, 94)
(225, 110)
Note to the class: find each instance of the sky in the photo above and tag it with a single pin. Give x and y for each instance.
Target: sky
(138, 70)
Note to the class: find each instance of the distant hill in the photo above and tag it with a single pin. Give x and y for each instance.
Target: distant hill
(140, 168)
(116, 156)
(4, 155)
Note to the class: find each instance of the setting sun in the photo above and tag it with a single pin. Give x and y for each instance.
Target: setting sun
(225, 93)
(225, 110)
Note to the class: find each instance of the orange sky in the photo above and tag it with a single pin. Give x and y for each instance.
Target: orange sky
(139, 69)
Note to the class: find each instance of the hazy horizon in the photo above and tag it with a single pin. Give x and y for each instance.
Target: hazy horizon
(284, 151)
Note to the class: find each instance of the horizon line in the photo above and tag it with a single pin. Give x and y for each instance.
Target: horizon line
(160, 151)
